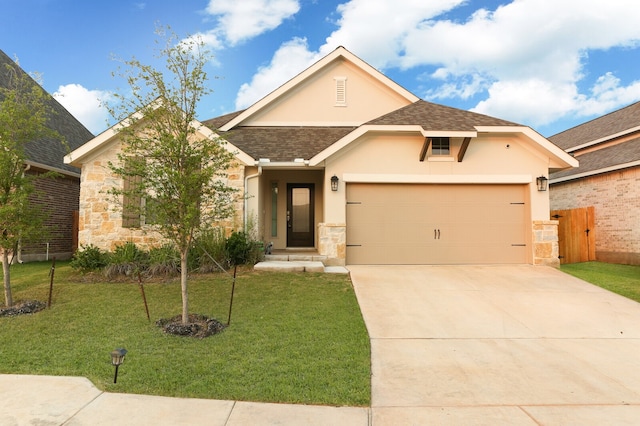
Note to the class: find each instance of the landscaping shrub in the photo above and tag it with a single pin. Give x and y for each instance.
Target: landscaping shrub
(164, 260)
(127, 259)
(89, 258)
(207, 245)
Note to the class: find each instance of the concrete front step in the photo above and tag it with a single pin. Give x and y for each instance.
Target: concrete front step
(298, 266)
(285, 257)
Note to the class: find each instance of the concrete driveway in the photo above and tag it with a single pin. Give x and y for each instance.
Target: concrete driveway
(498, 345)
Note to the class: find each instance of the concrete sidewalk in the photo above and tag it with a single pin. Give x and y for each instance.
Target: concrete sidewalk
(74, 401)
(498, 345)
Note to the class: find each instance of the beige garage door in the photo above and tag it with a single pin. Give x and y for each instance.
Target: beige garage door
(436, 224)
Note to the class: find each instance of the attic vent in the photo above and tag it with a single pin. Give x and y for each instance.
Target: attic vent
(341, 91)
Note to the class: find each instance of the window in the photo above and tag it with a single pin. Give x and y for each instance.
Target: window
(440, 146)
(132, 201)
(274, 209)
(341, 91)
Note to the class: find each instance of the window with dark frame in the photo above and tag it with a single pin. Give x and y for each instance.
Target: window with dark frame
(440, 146)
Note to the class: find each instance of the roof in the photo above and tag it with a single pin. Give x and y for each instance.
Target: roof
(283, 144)
(47, 152)
(608, 143)
(615, 157)
(339, 53)
(614, 123)
(432, 116)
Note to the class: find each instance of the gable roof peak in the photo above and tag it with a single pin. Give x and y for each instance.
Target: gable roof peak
(339, 52)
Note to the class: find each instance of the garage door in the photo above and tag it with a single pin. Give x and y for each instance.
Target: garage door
(436, 224)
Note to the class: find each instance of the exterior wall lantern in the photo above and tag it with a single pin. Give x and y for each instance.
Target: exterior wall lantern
(334, 183)
(542, 182)
(117, 358)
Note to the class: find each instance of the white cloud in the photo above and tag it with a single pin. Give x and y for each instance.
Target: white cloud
(241, 20)
(526, 59)
(85, 105)
(290, 59)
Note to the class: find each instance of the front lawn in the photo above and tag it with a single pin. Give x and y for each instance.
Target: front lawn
(620, 279)
(294, 338)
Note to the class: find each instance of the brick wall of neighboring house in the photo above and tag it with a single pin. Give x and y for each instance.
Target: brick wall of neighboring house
(100, 217)
(58, 197)
(616, 199)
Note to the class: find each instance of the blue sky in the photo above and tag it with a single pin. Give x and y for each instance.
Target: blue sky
(548, 64)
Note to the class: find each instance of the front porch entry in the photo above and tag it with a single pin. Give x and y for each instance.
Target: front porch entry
(300, 215)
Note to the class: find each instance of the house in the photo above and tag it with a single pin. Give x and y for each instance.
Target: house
(59, 195)
(343, 160)
(606, 185)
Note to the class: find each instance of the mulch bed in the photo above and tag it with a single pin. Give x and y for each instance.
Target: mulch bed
(199, 326)
(22, 308)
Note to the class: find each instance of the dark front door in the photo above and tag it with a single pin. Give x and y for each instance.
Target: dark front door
(300, 221)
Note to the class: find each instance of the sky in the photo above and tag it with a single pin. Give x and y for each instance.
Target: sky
(547, 64)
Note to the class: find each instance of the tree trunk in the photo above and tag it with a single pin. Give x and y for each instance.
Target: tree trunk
(8, 298)
(183, 285)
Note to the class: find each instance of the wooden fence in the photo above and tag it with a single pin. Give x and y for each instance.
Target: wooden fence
(576, 234)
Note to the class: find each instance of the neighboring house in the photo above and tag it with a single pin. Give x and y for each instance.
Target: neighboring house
(58, 196)
(343, 160)
(608, 180)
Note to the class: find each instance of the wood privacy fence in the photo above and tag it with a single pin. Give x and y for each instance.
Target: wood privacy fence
(576, 234)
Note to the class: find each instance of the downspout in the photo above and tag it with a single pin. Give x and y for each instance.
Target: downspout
(246, 197)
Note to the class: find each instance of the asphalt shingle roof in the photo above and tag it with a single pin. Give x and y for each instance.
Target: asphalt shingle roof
(599, 128)
(280, 143)
(52, 152)
(284, 143)
(438, 117)
(603, 158)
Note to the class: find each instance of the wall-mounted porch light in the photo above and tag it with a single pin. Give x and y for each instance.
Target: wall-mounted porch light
(117, 358)
(334, 183)
(542, 181)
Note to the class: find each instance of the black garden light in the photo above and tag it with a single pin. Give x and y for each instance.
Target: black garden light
(117, 358)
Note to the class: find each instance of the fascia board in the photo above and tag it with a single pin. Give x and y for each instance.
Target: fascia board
(563, 159)
(449, 133)
(339, 52)
(604, 139)
(595, 172)
(240, 155)
(76, 156)
(357, 133)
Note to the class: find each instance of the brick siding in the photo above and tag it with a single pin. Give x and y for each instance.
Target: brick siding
(59, 198)
(616, 199)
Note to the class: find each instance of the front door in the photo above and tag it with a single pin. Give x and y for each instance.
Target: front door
(300, 220)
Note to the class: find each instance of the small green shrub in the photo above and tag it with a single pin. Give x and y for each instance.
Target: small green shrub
(210, 245)
(127, 259)
(89, 258)
(164, 260)
(238, 248)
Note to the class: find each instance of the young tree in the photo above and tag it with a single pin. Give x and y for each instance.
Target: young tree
(24, 112)
(175, 175)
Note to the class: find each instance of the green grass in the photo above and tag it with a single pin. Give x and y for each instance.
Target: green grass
(621, 279)
(294, 338)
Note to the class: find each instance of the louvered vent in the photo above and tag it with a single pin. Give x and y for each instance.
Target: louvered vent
(341, 91)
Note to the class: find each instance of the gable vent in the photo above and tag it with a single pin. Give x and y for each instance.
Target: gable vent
(341, 91)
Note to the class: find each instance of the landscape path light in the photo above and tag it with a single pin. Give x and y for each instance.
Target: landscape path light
(117, 358)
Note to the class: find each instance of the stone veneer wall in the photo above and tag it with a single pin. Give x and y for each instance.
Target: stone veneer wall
(332, 243)
(615, 197)
(545, 243)
(100, 218)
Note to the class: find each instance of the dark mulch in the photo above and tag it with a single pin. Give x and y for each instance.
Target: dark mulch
(199, 326)
(22, 308)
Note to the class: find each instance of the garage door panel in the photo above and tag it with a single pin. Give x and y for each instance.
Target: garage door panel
(436, 224)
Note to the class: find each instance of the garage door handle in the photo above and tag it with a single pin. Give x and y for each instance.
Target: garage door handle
(436, 234)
